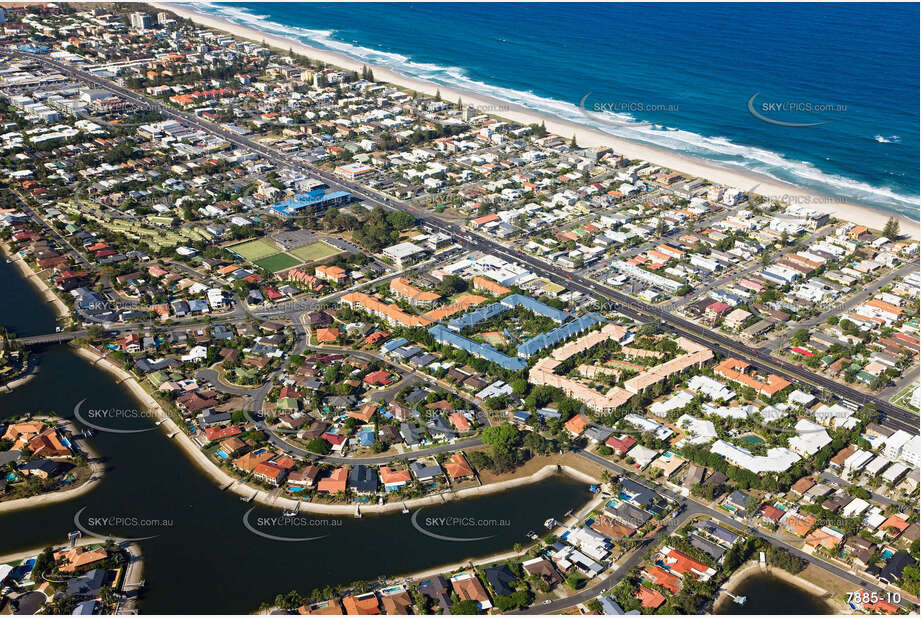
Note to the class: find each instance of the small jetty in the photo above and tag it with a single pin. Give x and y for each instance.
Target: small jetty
(227, 486)
(170, 436)
(405, 509)
(735, 598)
(294, 512)
(251, 498)
(358, 512)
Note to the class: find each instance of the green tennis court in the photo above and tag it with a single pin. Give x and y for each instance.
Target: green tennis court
(315, 251)
(274, 263)
(254, 250)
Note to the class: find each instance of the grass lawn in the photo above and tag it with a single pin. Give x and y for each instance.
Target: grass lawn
(254, 250)
(903, 398)
(314, 251)
(279, 261)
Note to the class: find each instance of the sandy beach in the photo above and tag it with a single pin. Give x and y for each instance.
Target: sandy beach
(753, 568)
(585, 136)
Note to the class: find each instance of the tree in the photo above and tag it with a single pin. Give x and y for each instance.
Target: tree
(320, 446)
(467, 608)
(891, 229)
(504, 436)
(661, 228)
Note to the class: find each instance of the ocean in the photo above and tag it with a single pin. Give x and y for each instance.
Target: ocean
(821, 95)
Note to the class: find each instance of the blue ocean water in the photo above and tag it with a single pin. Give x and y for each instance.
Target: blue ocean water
(678, 76)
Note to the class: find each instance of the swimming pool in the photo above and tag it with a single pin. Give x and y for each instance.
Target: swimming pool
(753, 439)
(222, 454)
(392, 589)
(886, 554)
(295, 489)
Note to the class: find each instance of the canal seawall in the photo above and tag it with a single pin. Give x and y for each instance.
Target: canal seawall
(264, 497)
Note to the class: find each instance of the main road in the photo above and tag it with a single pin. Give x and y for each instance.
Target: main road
(894, 416)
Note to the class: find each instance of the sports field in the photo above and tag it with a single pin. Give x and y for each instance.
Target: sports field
(318, 250)
(253, 250)
(279, 261)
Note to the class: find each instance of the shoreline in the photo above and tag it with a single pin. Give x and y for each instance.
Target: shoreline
(97, 473)
(23, 378)
(741, 575)
(61, 311)
(586, 137)
(264, 497)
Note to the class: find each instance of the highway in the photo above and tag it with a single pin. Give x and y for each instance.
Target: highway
(893, 416)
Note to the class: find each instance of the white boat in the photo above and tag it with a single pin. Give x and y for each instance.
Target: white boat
(297, 509)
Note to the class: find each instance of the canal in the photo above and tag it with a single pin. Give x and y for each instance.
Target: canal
(202, 559)
(766, 595)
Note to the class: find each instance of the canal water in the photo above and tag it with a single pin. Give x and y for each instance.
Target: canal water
(203, 559)
(766, 594)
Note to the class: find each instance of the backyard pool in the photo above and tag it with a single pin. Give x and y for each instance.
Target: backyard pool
(753, 439)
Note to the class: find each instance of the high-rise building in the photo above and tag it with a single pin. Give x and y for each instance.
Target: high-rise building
(141, 21)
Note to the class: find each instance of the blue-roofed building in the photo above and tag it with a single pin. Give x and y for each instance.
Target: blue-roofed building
(393, 344)
(469, 320)
(366, 438)
(535, 306)
(548, 340)
(317, 200)
(446, 336)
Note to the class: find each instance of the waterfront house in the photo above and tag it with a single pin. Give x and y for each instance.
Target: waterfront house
(437, 589)
(394, 479)
(457, 467)
(335, 482)
(361, 605)
(321, 608)
(467, 587)
(304, 478)
(362, 479)
(544, 569)
(425, 472)
(269, 473)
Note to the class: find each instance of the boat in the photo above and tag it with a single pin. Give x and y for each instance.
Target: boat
(297, 509)
(551, 523)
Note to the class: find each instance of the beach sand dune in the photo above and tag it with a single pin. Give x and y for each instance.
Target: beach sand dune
(585, 136)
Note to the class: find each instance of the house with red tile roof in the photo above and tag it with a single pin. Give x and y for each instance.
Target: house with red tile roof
(365, 414)
(335, 482)
(393, 479)
(327, 335)
(362, 605)
(459, 421)
(270, 473)
(378, 378)
(649, 598)
(621, 445)
(577, 424)
(684, 565)
(658, 575)
(457, 466)
(771, 514)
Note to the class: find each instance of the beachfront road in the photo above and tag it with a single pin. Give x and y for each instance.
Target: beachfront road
(895, 417)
